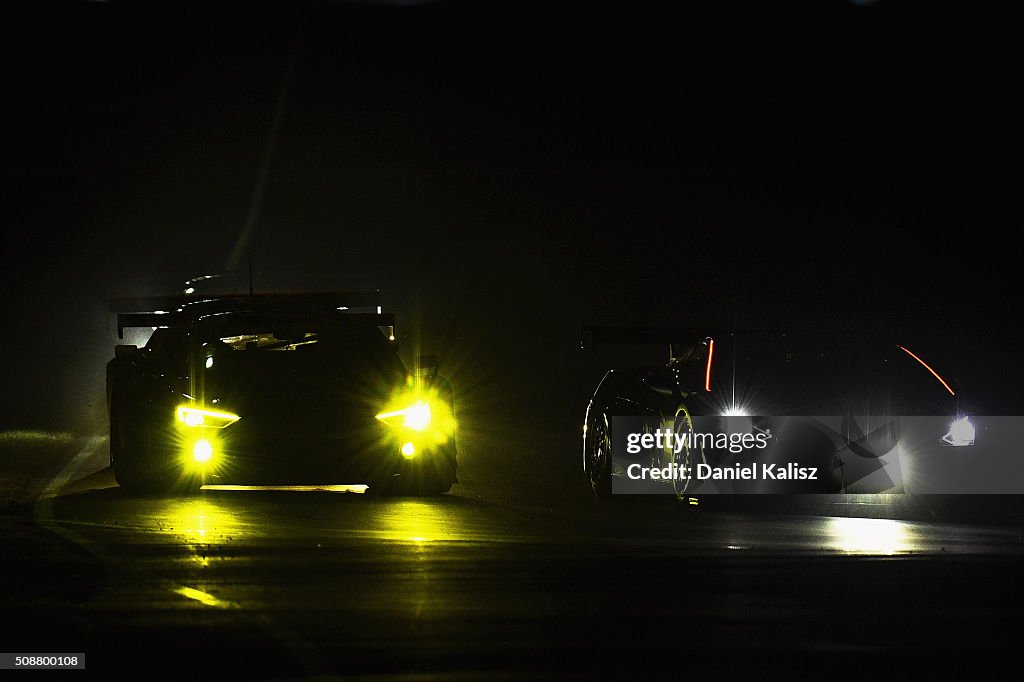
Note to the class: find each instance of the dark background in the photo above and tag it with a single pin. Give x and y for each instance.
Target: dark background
(504, 172)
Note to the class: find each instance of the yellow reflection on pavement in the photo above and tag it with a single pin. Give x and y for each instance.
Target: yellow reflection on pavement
(418, 521)
(201, 597)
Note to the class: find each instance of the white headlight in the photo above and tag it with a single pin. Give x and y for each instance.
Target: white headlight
(961, 433)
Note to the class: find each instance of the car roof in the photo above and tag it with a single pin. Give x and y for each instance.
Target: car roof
(357, 308)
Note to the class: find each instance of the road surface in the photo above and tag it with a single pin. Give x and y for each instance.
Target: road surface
(283, 584)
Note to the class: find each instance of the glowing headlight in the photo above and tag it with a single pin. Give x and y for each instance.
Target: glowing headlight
(415, 417)
(214, 419)
(961, 433)
(202, 451)
(419, 418)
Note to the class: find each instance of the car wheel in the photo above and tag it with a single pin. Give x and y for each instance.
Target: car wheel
(598, 459)
(432, 477)
(133, 471)
(686, 458)
(406, 485)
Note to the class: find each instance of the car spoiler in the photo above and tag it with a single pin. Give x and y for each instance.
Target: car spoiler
(181, 310)
(678, 340)
(592, 335)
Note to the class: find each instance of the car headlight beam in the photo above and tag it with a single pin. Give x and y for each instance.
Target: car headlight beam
(203, 418)
(961, 433)
(419, 420)
(416, 416)
(202, 451)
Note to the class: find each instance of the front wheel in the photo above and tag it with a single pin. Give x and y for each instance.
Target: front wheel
(685, 457)
(134, 468)
(405, 485)
(434, 476)
(598, 456)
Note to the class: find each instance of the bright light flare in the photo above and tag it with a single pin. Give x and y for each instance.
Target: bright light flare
(415, 417)
(197, 417)
(409, 449)
(202, 451)
(421, 417)
(961, 433)
(869, 536)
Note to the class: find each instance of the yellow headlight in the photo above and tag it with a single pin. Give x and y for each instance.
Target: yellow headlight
(423, 412)
(194, 416)
(202, 451)
(415, 417)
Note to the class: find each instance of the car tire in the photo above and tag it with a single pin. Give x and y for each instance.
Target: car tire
(407, 486)
(127, 448)
(685, 458)
(434, 477)
(598, 456)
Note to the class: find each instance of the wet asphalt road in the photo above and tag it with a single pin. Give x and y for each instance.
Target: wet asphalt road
(276, 584)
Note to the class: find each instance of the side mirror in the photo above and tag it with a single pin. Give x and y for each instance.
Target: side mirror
(125, 351)
(426, 366)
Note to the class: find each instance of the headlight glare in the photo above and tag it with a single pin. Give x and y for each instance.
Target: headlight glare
(415, 417)
(203, 418)
(418, 417)
(202, 451)
(961, 433)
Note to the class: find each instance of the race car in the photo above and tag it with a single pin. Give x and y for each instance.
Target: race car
(836, 406)
(274, 389)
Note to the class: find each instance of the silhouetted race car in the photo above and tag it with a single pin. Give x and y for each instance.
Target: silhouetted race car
(792, 412)
(274, 389)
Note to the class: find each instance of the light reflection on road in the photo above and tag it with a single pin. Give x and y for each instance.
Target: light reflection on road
(201, 521)
(870, 536)
(230, 516)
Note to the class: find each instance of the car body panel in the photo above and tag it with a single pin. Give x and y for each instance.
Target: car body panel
(834, 401)
(306, 383)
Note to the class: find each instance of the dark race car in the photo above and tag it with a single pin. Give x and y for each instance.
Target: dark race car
(843, 407)
(274, 389)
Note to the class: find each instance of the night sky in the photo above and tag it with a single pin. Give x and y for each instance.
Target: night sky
(504, 172)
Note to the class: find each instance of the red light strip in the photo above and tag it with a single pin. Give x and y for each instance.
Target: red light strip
(925, 365)
(707, 373)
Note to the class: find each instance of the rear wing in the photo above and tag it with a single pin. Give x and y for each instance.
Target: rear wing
(591, 334)
(681, 341)
(361, 307)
